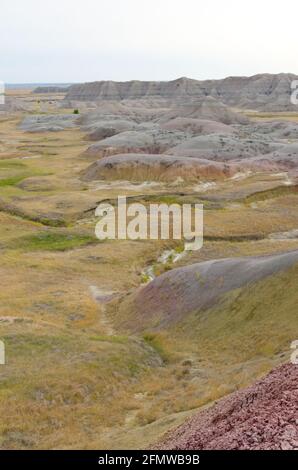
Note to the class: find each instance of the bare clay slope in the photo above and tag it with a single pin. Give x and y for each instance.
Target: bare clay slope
(170, 297)
(261, 417)
(142, 167)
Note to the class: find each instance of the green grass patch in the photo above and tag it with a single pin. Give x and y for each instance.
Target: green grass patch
(170, 199)
(24, 345)
(145, 278)
(13, 172)
(52, 241)
(12, 180)
(155, 343)
(272, 193)
(18, 212)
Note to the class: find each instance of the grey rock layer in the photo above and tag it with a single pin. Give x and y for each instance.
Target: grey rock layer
(48, 122)
(222, 147)
(141, 141)
(264, 91)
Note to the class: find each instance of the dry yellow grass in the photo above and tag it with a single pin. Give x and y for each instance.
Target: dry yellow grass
(72, 380)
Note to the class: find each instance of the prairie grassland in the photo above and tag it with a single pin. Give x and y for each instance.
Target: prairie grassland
(222, 349)
(73, 379)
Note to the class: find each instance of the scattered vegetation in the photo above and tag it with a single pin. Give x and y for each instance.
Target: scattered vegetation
(111, 338)
(11, 181)
(11, 164)
(52, 241)
(154, 341)
(272, 193)
(145, 278)
(69, 382)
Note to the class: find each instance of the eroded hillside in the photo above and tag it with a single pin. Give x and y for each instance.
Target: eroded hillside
(109, 344)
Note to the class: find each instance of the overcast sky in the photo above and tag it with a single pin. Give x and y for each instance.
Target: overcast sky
(87, 40)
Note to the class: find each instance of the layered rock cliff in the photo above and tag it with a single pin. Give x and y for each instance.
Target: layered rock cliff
(264, 91)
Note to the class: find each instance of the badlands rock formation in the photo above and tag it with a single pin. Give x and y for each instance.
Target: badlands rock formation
(188, 119)
(107, 128)
(285, 158)
(196, 126)
(261, 417)
(48, 122)
(221, 147)
(150, 167)
(205, 108)
(264, 91)
(149, 350)
(275, 129)
(181, 291)
(153, 140)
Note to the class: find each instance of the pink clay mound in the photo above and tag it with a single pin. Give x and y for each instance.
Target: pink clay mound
(261, 417)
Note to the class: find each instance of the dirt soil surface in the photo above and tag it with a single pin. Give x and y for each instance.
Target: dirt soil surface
(261, 417)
